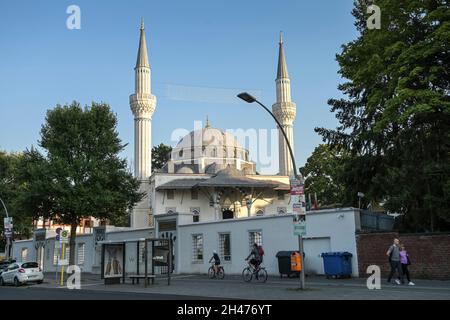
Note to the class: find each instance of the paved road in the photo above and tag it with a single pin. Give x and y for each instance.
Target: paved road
(42, 293)
(196, 286)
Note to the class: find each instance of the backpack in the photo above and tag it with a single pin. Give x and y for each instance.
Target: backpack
(261, 251)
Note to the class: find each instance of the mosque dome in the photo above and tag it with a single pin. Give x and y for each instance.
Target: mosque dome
(209, 142)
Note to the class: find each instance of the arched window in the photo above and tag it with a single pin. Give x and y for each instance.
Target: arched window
(260, 212)
(195, 214)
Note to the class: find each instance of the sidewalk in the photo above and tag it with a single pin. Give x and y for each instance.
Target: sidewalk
(274, 289)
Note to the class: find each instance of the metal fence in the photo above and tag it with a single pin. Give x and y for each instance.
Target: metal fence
(376, 221)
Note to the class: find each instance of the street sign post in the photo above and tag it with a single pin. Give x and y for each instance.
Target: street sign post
(63, 239)
(298, 208)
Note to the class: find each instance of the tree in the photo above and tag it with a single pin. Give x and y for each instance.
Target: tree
(323, 172)
(160, 155)
(85, 176)
(9, 186)
(395, 118)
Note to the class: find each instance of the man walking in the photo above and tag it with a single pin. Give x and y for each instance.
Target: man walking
(394, 259)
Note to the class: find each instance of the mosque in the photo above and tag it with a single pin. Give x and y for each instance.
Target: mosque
(209, 196)
(209, 176)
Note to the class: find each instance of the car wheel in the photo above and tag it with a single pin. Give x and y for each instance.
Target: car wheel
(39, 282)
(16, 282)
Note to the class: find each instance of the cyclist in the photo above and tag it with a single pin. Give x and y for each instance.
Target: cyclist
(216, 259)
(255, 260)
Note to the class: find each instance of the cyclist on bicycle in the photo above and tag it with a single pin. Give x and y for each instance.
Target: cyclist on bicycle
(255, 260)
(216, 259)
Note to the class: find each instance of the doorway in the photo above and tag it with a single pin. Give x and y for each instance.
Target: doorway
(227, 214)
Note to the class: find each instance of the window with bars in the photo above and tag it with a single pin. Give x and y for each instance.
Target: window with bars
(80, 253)
(197, 248)
(254, 237)
(55, 256)
(24, 254)
(170, 194)
(225, 246)
(194, 194)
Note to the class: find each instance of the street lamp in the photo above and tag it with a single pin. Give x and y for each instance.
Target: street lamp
(360, 195)
(250, 99)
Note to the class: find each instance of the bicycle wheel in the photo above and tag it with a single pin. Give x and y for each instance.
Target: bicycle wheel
(221, 273)
(211, 273)
(247, 274)
(262, 275)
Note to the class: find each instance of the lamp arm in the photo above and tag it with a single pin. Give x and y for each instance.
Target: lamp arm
(285, 137)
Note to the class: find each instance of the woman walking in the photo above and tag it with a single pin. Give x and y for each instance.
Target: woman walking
(404, 259)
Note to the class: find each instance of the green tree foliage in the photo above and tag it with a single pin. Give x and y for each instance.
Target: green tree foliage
(9, 187)
(323, 172)
(80, 175)
(395, 118)
(160, 155)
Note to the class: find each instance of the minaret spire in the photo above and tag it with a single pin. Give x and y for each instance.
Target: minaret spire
(282, 67)
(284, 110)
(142, 57)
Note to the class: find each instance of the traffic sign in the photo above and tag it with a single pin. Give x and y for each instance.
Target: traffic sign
(299, 225)
(64, 236)
(7, 222)
(8, 233)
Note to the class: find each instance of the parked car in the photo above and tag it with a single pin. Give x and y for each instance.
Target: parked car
(22, 272)
(5, 264)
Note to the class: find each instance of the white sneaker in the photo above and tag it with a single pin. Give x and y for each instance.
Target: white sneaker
(411, 283)
(397, 281)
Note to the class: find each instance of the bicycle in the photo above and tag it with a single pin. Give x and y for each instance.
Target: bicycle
(260, 273)
(220, 274)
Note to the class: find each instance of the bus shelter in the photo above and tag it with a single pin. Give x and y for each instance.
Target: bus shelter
(136, 259)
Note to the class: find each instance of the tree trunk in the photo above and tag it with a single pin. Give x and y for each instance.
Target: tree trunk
(73, 237)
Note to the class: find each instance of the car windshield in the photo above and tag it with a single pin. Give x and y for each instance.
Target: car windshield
(29, 265)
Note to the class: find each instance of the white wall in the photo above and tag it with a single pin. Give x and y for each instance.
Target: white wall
(92, 256)
(327, 230)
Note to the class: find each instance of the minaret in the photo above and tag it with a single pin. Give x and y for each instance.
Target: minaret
(142, 104)
(284, 110)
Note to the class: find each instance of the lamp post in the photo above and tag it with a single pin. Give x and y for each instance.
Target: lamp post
(360, 195)
(250, 99)
(8, 237)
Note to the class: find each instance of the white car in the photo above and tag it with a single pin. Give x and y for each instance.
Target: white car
(22, 272)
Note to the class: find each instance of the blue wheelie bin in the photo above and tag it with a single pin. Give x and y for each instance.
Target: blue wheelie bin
(337, 264)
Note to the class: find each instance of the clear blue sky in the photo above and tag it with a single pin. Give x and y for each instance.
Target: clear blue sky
(202, 53)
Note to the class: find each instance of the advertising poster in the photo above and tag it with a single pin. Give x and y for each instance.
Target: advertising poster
(113, 261)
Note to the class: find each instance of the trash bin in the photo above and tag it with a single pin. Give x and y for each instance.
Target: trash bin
(337, 264)
(284, 263)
